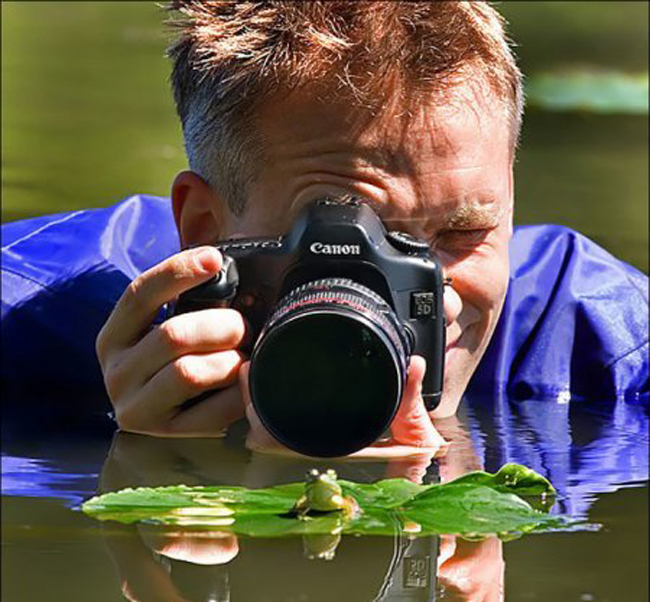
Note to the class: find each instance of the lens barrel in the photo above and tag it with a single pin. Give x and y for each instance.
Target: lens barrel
(328, 370)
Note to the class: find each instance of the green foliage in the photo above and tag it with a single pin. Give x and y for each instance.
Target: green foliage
(515, 500)
(549, 36)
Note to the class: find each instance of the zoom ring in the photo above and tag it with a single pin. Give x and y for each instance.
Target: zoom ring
(345, 294)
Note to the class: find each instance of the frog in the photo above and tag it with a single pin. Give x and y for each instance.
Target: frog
(323, 493)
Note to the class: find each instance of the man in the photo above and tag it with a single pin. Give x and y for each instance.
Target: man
(425, 135)
(417, 108)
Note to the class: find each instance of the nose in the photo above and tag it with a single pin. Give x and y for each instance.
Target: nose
(453, 304)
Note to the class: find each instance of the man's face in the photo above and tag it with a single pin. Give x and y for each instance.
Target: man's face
(444, 175)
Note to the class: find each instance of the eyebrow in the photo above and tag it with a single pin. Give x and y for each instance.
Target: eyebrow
(474, 215)
(467, 214)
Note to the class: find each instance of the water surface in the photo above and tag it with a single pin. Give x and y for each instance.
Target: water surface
(596, 459)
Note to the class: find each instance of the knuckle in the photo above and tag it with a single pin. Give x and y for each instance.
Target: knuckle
(132, 296)
(186, 372)
(226, 369)
(134, 287)
(114, 381)
(181, 266)
(126, 420)
(173, 335)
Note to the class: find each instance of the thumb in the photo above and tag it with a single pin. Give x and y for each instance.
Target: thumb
(412, 424)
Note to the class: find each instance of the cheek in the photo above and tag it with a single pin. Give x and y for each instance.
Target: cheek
(481, 281)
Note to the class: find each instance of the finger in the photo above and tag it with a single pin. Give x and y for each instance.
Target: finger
(481, 561)
(244, 373)
(452, 303)
(207, 548)
(142, 579)
(412, 425)
(136, 460)
(413, 468)
(197, 332)
(138, 305)
(210, 417)
(157, 403)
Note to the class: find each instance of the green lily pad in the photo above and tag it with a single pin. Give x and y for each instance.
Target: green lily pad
(589, 91)
(515, 500)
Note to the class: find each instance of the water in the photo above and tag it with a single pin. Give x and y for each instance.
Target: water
(597, 460)
(87, 120)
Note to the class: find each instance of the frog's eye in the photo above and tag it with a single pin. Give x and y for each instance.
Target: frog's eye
(331, 473)
(312, 475)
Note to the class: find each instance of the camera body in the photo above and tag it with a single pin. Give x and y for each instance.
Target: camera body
(335, 242)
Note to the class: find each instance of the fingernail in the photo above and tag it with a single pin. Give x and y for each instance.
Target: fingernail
(208, 259)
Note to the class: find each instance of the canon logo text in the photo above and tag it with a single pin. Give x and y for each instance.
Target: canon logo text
(320, 248)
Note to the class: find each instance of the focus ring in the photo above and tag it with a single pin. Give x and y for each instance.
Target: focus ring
(342, 292)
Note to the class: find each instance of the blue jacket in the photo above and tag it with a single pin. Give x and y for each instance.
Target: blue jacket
(574, 328)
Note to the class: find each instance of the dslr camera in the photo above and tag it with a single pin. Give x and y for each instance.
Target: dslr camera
(335, 308)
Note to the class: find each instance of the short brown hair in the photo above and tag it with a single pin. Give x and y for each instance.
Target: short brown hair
(232, 56)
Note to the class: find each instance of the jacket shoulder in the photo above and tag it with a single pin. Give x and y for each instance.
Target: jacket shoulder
(61, 276)
(574, 323)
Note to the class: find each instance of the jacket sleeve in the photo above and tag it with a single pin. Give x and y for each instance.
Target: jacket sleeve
(61, 277)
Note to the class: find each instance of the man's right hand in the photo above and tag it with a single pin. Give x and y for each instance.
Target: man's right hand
(150, 371)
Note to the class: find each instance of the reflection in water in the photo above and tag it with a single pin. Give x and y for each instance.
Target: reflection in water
(166, 567)
(584, 451)
(322, 568)
(45, 477)
(212, 565)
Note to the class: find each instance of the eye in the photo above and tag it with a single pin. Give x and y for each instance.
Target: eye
(460, 240)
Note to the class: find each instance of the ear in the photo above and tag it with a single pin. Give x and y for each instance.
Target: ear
(199, 212)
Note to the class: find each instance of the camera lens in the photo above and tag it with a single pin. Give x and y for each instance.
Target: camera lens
(328, 369)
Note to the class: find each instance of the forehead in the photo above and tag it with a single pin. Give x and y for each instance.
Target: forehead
(424, 162)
